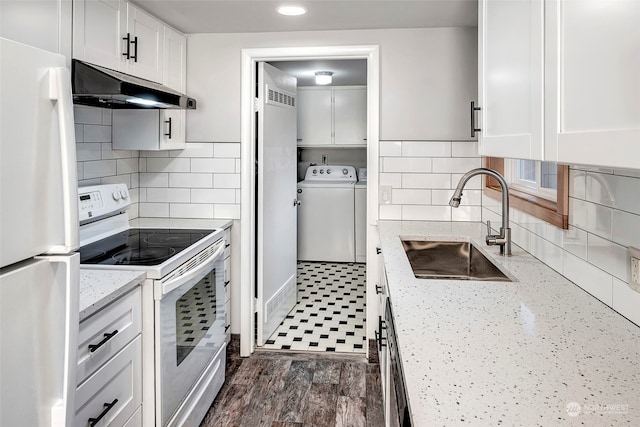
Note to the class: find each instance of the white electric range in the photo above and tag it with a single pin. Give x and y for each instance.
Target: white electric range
(183, 302)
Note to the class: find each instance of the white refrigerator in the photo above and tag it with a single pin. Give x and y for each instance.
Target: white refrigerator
(39, 271)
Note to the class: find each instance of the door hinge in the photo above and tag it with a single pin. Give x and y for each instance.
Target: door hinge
(256, 105)
(255, 305)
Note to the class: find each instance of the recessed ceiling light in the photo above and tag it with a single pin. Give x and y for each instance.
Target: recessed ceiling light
(291, 10)
(323, 77)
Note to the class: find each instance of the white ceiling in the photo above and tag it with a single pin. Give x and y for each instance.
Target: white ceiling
(240, 16)
(346, 72)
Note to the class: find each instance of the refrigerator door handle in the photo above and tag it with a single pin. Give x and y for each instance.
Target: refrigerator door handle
(63, 411)
(60, 91)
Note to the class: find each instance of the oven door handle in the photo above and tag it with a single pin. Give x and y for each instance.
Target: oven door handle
(167, 287)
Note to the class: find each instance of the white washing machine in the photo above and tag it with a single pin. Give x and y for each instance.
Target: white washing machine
(326, 214)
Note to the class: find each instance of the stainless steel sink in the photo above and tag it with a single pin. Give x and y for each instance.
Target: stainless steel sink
(450, 260)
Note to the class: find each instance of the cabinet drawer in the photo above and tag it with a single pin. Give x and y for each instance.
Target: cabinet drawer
(119, 381)
(123, 316)
(227, 273)
(227, 240)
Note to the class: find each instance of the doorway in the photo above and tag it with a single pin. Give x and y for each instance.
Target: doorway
(250, 57)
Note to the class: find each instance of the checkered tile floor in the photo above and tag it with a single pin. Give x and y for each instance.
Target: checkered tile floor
(330, 313)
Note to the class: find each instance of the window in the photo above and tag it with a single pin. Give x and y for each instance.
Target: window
(540, 189)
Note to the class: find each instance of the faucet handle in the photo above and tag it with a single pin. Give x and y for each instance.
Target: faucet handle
(488, 227)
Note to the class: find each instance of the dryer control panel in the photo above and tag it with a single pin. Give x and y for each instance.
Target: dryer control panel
(330, 173)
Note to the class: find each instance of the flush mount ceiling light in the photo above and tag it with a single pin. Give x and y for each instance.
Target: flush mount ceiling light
(291, 10)
(323, 77)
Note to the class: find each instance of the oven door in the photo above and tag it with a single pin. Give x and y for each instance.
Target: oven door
(189, 316)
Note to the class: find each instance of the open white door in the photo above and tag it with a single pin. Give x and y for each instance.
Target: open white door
(277, 190)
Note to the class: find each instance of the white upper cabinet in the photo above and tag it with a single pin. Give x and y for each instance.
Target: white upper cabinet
(150, 130)
(593, 82)
(510, 78)
(332, 116)
(350, 116)
(117, 35)
(146, 45)
(175, 60)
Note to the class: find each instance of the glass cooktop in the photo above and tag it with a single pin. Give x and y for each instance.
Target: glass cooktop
(140, 246)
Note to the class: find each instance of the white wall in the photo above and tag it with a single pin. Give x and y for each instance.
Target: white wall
(604, 218)
(428, 77)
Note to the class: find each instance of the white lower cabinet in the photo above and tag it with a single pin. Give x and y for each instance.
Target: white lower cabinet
(109, 390)
(114, 393)
(227, 284)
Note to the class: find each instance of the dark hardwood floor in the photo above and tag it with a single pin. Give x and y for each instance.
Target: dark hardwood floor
(282, 389)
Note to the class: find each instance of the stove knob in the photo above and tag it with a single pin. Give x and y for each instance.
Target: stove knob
(116, 195)
(315, 171)
(328, 171)
(124, 195)
(321, 171)
(345, 171)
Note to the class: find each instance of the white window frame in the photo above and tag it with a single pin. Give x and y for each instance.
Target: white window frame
(525, 186)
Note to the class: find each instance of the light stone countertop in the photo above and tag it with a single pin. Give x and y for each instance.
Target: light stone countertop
(499, 353)
(100, 287)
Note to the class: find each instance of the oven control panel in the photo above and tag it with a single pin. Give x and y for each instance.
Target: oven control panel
(99, 201)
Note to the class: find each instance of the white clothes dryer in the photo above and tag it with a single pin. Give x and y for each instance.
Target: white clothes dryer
(326, 221)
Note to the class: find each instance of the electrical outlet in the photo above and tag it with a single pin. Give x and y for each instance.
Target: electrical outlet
(634, 268)
(385, 194)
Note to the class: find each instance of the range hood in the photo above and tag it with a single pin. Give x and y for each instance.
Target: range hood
(101, 87)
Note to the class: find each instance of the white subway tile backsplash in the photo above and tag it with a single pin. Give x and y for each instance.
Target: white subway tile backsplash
(464, 149)
(142, 195)
(87, 115)
(614, 191)
(474, 183)
(79, 132)
(154, 180)
(466, 213)
(390, 212)
(578, 184)
(87, 182)
(590, 278)
(226, 180)
(186, 210)
(607, 255)
(168, 195)
(410, 197)
(109, 153)
(149, 154)
(626, 228)
(424, 180)
(194, 149)
(107, 116)
(226, 211)
(469, 197)
(135, 180)
(213, 195)
(426, 149)
(406, 164)
(117, 179)
(392, 179)
(547, 252)
(88, 151)
(426, 213)
(519, 235)
(80, 171)
(456, 165)
(238, 166)
(97, 133)
(626, 301)
(591, 217)
(226, 149)
(99, 168)
(390, 148)
(213, 165)
(190, 180)
(142, 164)
(168, 164)
(124, 166)
(574, 240)
(154, 210)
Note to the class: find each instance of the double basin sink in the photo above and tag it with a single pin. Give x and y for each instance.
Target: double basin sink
(450, 260)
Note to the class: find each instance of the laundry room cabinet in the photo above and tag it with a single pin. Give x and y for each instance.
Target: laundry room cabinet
(558, 81)
(332, 116)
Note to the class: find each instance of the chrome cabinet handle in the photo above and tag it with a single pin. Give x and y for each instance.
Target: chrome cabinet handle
(474, 129)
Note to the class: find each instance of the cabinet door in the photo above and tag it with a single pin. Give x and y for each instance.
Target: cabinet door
(510, 78)
(98, 29)
(315, 116)
(593, 114)
(172, 132)
(175, 60)
(146, 60)
(350, 116)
